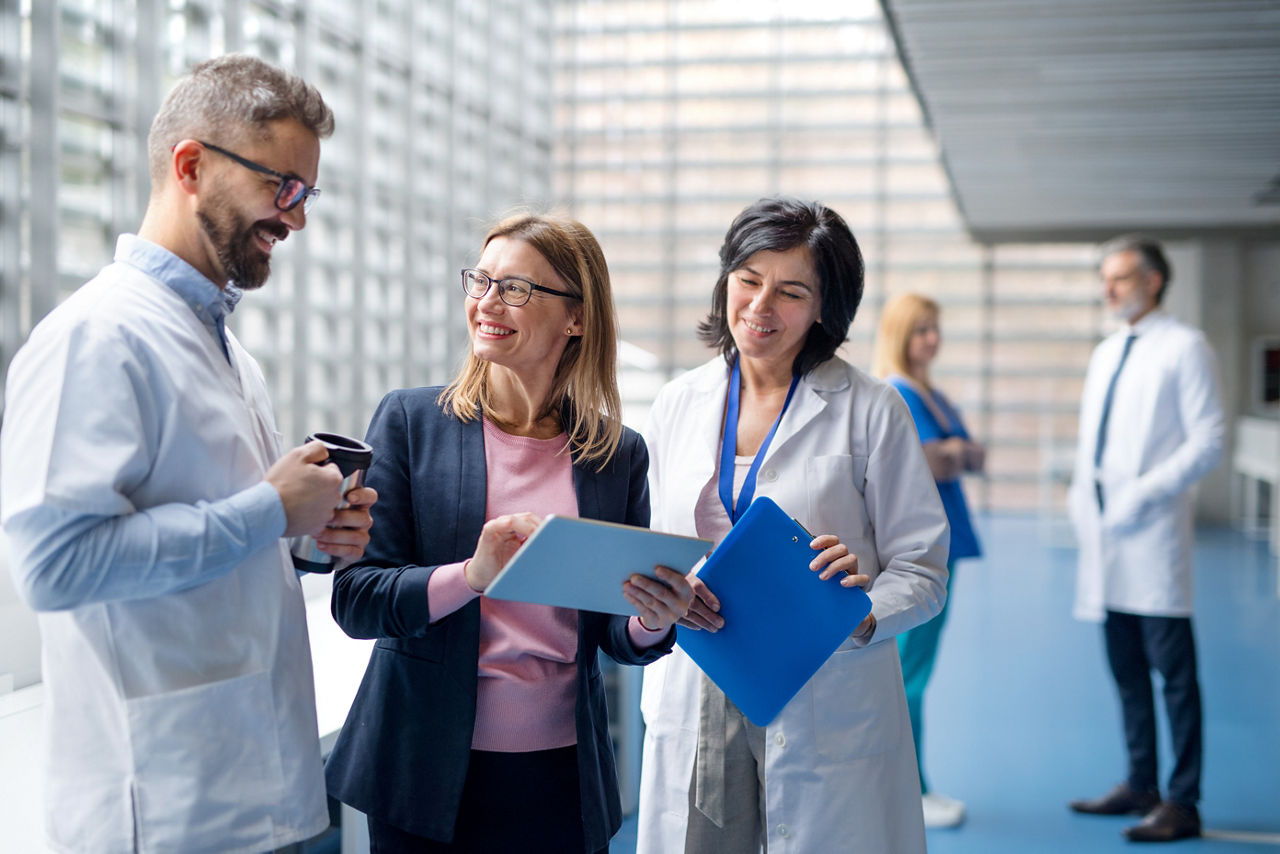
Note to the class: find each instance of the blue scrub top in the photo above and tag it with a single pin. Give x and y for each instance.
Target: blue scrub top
(964, 542)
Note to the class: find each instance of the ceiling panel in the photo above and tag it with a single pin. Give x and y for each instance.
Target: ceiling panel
(1074, 119)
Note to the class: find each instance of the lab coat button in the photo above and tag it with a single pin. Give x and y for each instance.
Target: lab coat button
(771, 475)
(782, 830)
(780, 740)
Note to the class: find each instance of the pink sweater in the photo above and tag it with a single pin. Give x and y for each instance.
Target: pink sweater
(528, 653)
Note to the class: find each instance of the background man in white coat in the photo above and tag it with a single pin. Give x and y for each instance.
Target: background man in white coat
(146, 495)
(1150, 426)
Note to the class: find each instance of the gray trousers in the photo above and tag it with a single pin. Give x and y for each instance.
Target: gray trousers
(724, 729)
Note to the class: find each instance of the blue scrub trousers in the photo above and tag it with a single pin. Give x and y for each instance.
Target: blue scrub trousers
(918, 649)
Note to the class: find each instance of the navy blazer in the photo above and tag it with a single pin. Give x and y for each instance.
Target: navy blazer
(402, 755)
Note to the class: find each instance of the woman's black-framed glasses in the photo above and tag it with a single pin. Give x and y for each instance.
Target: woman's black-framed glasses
(514, 292)
(292, 189)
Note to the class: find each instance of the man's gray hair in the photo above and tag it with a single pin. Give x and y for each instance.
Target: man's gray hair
(226, 99)
(1150, 255)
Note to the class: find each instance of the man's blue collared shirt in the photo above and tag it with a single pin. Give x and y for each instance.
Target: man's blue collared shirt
(209, 302)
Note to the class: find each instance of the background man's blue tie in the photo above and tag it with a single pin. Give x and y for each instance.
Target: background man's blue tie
(1101, 444)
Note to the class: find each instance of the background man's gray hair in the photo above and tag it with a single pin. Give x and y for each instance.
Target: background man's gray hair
(225, 100)
(1150, 255)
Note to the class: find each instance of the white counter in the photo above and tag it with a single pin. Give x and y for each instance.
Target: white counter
(21, 752)
(1257, 460)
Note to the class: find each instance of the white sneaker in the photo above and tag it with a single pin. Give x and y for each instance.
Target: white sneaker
(941, 811)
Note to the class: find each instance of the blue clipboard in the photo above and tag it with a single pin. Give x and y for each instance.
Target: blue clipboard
(781, 622)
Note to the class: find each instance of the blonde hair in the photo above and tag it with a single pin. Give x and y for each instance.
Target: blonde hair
(584, 394)
(898, 319)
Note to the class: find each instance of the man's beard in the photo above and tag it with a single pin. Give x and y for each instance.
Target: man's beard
(1129, 309)
(245, 264)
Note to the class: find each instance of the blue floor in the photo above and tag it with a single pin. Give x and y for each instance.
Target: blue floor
(1022, 716)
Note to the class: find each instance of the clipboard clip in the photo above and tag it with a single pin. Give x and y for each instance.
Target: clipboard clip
(802, 527)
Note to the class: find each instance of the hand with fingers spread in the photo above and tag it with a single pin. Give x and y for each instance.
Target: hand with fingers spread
(499, 539)
(661, 602)
(704, 610)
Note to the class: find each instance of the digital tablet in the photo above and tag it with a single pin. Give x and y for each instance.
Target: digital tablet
(581, 563)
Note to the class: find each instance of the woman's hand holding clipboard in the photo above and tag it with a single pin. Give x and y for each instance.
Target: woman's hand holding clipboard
(778, 617)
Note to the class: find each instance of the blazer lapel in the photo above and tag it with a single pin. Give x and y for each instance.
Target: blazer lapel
(586, 484)
(472, 486)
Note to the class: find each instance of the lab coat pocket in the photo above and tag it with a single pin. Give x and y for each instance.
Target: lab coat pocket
(835, 505)
(857, 703)
(211, 746)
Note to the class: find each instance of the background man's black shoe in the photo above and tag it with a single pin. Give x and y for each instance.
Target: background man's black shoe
(1165, 823)
(1119, 801)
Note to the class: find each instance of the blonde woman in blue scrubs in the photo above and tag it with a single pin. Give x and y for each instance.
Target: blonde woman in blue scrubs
(906, 345)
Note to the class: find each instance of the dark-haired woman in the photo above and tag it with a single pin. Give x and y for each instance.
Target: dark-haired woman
(836, 770)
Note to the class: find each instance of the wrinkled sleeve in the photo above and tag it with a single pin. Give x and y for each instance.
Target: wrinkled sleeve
(81, 426)
(911, 531)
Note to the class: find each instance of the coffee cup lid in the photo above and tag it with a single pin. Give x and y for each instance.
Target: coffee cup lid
(349, 454)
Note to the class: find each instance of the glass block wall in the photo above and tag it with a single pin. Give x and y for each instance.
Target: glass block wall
(672, 116)
(444, 120)
(654, 121)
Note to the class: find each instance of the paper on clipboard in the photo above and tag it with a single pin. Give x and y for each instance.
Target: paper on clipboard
(781, 622)
(581, 563)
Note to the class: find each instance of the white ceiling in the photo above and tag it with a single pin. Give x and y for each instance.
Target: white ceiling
(1075, 119)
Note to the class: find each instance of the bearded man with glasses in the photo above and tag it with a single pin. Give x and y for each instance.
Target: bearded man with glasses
(147, 497)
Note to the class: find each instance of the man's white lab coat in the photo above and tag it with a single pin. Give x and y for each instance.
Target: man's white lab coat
(1164, 433)
(183, 721)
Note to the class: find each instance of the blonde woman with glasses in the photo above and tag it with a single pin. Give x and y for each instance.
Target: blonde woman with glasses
(906, 345)
(481, 725)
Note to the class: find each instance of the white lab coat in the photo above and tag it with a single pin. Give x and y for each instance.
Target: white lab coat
(186, 721)
(840, 769)
(1165, 432)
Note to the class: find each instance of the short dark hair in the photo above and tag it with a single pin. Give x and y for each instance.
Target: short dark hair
(778, 224)
(227, 97)
(1150, 256)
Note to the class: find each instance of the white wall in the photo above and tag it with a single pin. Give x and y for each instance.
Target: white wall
(1262, 293)
(1231, 290)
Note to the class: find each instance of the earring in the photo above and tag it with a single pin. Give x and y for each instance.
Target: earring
(569, 331)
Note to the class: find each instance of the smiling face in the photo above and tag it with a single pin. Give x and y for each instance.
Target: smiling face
(1128, 287)
(773, 300)
(238, 214)
(529, 339)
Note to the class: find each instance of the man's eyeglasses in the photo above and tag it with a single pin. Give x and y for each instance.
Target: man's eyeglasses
(514, 292)
(292, 189)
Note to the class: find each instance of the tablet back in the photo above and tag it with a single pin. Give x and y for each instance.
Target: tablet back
(581, 563)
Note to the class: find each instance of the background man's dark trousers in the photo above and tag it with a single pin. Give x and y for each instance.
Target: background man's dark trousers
(1136, 645)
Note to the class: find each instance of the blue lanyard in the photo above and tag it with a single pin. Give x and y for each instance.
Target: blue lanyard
(729, 444)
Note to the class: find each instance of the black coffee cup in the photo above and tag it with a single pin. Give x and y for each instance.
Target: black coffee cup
(352, 457)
